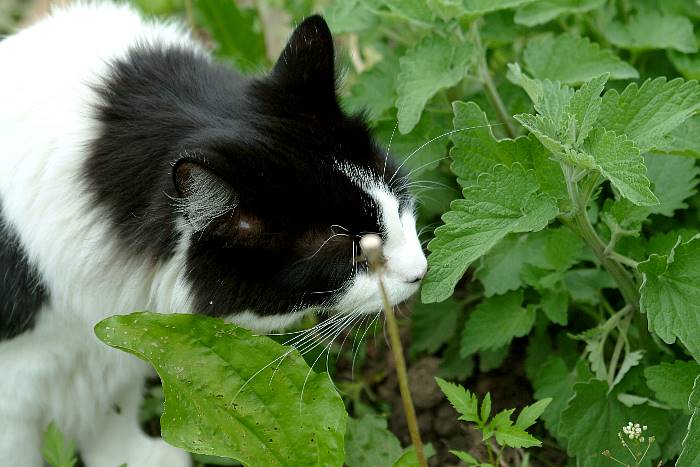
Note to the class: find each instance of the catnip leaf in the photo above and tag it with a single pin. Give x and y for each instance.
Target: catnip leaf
(620, 162)
(543, 11)
(417, 12)
(495, 322)
(631, 360)
(530, 413)
(500, 269)
(573, 60)
(349, 16)
(670, 294)
(549, 98)
(690, 455)
(684, 140)
(593, 418)
(476, 8)
(648, 112)
(650, 30)
(584, 285)
(463, 401)
(235, 30)
(503, 201)
(56, 450)
(218, 396)
(687, 64)
(369, 442)
(374, 91)
(430, 66)
(585, 105)
(433, 325)
(555, 304)
(674, 179)
(673, 382)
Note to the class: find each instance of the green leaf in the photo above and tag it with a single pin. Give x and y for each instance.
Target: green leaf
(499, 270)
(584, 284)
(374, 91)
(550, 98)
(236, 32)
(492, 359)
(687, 64)
(430, 66)
(433, 325)
(503, 201)
(593, 419)
(544, 11)
(620, 162)
(529, 415)
(690, 455)
(515, 437)
(464, 402)
(369, 442)
(684, 140)
(585, 105)
(674, 180)
(485, 411)
(573, 60)
(409, 458)
(56, 449)
(495, 322)
(453, 366)
(465, 457)
(673, 382)
(648, 112)
(349, 16)
(219, 399)
(555, 304)
(650, 30)
(670, 294)
(476, 8)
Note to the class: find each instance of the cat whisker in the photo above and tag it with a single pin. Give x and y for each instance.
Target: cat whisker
(386, 156)
(354, 355)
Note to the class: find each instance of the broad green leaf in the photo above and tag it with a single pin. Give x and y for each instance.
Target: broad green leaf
(585, 285)
(670, 294)
(495, 322)
(529, 415)
(235, 30)
(674, 180)
(573, 60)
(620, 162)
(550, 98)
(499, 270)
(503, 201)
(684, 140)
(417, 12)
(555, 304)
(651, 30)
(374, 92)
(648, 112)
(673, 382)
(687, 64)
(464, 402)
(585, 105)
(369, 442)
(690, 455)
(433, 325)
(593, 418)
(430, 66)
(56, 449)
(349, 16)
(555, 249)
(543, 11)
(219, 399)
(475, 8)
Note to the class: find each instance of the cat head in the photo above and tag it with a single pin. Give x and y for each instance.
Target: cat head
(276, 201)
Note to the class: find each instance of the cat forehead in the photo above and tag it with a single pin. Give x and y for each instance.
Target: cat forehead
(374, 186)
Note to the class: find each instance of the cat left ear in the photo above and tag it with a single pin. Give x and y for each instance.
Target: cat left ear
(307, 63)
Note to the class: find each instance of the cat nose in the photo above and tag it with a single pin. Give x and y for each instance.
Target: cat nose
(418, 277)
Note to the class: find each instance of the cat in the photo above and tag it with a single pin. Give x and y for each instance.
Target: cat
(138, 173)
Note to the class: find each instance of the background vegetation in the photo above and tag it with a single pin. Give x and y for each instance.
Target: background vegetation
(553, 146)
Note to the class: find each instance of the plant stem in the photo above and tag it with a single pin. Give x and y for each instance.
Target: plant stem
(372, 250)
(489, 86)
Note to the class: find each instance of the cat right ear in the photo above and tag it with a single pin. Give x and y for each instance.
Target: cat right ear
(203, 195)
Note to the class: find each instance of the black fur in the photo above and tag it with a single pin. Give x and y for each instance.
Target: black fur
(277, 141)
(21, 291)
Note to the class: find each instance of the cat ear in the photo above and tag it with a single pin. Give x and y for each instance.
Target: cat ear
(307, 63)
(203, 196)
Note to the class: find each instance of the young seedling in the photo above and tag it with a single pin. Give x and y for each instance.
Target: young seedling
(371, 246)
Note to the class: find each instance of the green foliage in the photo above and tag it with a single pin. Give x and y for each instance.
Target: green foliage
(219, 399)
(56, 449)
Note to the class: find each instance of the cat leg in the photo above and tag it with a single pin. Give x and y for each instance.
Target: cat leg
(20, 441)
(119, 438)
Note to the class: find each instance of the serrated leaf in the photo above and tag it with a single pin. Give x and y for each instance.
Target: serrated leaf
(620, 162)
(236, 32)
(670, 294)
(499, 270)
(555, 304)
(369, 442)
(690, 454)
(503, 201)
(515, 437)
(417, 12)
(374, 92)
(430, 66)
(463, 401)
(673, 382)
(486, 407)
(674, 179)
(432, 325)
(544, 11)
(349, 16)
(648, 112)
(651, 30)
(573, 60)
(631, 359)
(687, 64)
(593, 418)
(585, 105)
(476, 8)
(549, 98)
(529, 415)
(218, 399)
(495, 322)
(684, 140)
(56, 450)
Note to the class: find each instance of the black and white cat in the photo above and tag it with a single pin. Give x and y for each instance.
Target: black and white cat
(137, 173)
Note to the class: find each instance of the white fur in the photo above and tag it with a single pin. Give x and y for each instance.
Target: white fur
(59, 371)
